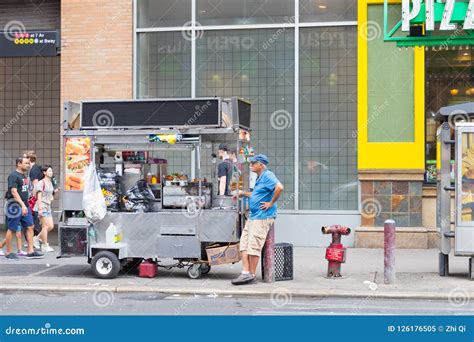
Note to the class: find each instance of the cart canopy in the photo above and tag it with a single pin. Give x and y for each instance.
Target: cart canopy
(460, 109)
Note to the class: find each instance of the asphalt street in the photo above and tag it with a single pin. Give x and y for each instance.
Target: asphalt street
(105, 302)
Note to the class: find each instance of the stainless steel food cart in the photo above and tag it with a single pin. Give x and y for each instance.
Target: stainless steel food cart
(184, 218)
(455, 138)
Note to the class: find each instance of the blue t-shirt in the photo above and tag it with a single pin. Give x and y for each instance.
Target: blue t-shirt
(263, 192)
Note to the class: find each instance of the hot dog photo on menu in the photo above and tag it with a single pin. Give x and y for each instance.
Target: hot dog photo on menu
(77, 152)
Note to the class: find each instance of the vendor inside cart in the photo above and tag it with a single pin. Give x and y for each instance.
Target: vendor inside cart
(224, 170)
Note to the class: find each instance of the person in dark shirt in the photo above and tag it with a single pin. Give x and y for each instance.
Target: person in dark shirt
(18, 211)
(35, 174)
(224, 171)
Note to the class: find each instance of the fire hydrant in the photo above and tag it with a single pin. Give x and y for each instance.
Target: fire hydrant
(336, 252)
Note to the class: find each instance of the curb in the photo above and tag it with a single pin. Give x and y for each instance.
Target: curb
(234, 292)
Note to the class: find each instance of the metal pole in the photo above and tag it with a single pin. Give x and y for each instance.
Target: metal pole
(268, 261)
(389, 251)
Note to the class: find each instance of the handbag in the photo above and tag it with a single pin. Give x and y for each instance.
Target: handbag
(33, 199)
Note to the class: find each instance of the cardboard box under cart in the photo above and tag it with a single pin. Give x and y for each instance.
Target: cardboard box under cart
(227, 254)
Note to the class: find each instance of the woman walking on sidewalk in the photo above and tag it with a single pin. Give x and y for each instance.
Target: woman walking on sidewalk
(44, 191)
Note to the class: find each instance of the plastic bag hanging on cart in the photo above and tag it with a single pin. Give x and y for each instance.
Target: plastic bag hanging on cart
(93, 200)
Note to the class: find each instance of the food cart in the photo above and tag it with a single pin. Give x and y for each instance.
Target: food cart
(155, 210)
(456, 141)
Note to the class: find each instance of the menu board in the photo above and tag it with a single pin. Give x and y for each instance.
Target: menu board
(77, 159)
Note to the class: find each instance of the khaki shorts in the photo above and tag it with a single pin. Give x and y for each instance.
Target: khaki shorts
(254, 235)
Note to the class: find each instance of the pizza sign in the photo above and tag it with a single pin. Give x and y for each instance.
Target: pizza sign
(449, 14)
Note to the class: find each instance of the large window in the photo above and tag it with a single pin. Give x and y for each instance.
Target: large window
(153, 13)
(244, 12)
(449, 81)
(390, 100)
(328, 118)
(163, 65)
(257, 65)
(303, 114)
(327, 10)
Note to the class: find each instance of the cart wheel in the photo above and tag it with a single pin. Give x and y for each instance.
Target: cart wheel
(105, 265)
(205, 268)
(194, 271)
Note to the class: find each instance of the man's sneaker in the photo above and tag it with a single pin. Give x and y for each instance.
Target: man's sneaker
(45, 247)
(2, 253)
(35, 255)
(244, 279)
(21, 253)
(11, 256)
(36, 242)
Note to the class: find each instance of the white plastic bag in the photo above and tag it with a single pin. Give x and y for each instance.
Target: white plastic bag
(93, 201)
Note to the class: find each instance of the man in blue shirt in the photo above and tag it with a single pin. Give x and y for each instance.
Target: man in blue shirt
(263, 211)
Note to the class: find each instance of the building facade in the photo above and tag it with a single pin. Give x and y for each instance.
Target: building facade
(29, 88)
(344, 117)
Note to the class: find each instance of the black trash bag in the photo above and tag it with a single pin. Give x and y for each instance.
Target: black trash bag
(139, 197)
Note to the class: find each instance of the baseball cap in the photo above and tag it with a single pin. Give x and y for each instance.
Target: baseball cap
(261, 158)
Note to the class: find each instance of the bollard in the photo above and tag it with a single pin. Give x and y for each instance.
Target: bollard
(269, 257)
(389, 251)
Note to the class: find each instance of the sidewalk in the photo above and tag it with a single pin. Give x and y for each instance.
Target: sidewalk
(417, 277)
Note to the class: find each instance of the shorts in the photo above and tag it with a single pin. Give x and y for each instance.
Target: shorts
(14, 218)
(254, 236)
(18, 229)
(45, 213)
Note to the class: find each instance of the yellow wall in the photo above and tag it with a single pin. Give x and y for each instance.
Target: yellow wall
(383, 155)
